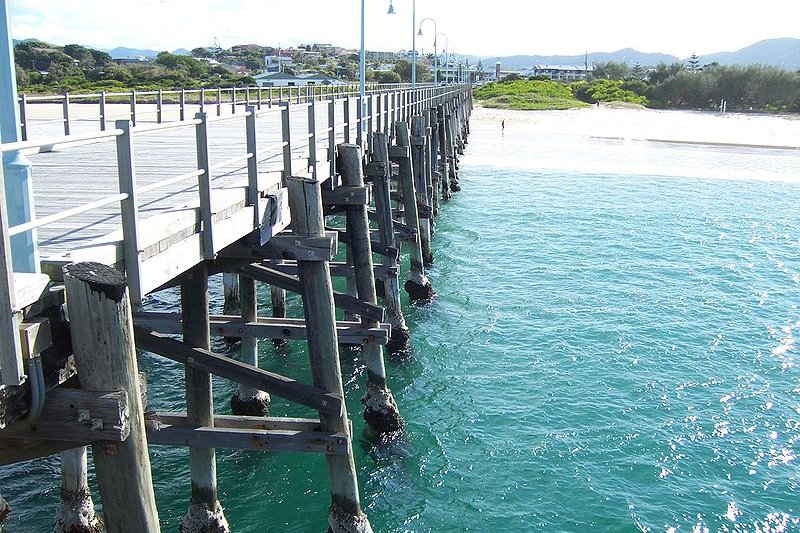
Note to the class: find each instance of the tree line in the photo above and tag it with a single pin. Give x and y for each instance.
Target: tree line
(43, 68)
(756, 88)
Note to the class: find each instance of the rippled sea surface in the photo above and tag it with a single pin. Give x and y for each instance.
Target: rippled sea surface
(610, 350)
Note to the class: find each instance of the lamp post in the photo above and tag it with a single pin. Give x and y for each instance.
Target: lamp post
(362, 76)
(446, 57)
(391, 11)
(435, 53)
(16, 167)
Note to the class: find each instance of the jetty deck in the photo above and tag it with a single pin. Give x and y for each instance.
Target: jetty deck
(138, 207)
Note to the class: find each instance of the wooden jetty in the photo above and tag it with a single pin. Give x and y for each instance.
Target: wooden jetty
(130, 210)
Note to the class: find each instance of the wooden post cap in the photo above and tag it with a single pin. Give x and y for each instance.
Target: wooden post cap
(100, 278)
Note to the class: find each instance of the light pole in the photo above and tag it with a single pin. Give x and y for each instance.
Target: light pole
(391, 11)
(435, 53)
(446, 57)
(362, 76)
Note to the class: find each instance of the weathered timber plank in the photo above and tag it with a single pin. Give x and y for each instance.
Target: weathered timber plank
(239, 422)
(239, 372)
(263, 327)
(291, 283)
(78, 416)
(250, 439)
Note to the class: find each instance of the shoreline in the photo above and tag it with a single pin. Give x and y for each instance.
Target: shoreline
(671, 126)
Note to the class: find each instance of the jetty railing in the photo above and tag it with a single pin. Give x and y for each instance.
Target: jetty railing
(174, 105)
(297, 153)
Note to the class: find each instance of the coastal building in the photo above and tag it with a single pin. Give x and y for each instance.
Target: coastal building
(283, 79)
(558, 72)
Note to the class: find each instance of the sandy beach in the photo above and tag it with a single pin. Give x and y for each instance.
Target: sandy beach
(781, 131)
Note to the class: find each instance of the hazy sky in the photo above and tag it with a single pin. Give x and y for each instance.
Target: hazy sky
(498, 27)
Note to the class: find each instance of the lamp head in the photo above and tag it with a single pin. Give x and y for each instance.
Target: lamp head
(419, 32)
(391, 8)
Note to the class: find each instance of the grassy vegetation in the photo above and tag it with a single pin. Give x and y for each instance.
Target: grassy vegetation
(527, 95)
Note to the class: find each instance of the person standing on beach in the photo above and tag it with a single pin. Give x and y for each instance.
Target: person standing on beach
(503, 126)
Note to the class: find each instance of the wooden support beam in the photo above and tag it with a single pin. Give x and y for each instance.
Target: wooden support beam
(263, 328)
(239, 422)
(336, 269)
(376, 246)
(291, 283)
(397, 153)
(288, 246)
(404, 232)
(233, 370)
(78, 416)
(275, 435)
(347, 195)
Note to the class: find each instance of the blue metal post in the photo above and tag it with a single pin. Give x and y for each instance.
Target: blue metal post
(16, 167)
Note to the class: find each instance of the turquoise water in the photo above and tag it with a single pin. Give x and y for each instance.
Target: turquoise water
(610, 351)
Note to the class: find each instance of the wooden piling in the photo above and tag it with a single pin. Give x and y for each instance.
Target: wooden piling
(419, 147)
(383, 208)
(105, 357)
(305, 203)
(247, 400)
(76, 510)
(444, 157)
(380, 409)
(230, 288)
(205, 512)
(434, 164)
(417, 285)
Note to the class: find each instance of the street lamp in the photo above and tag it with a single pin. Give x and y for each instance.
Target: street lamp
(362, 75)
(446, 56)
(391, 11)
(435, 53)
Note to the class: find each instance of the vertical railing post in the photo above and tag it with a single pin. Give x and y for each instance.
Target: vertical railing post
(332, 136)
(233, 100)
(182, 105)
(378, 113)
(312, 135)
(159, 106)
(219, 101)
(23, 116)
(102, 111)
(202, 99)
(247, 96)
(252, 163)
(133, 107)
(347, 122)
(65, 112)
(259, 97)
(12, 369)
(204, 185)
(129, 211)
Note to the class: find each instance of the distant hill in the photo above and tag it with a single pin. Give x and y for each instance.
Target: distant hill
(122, 52)
(778, 52)
(783, 53)
(627, 55)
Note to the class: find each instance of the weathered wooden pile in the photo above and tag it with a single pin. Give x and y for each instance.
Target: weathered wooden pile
(388, 191)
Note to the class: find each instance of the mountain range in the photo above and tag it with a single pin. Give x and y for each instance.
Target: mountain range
(784, 52)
